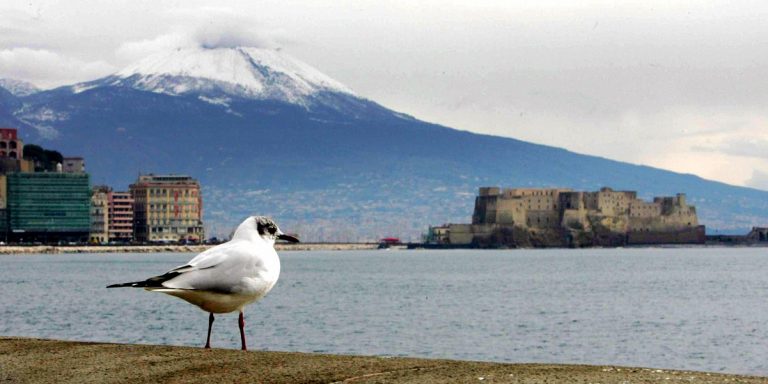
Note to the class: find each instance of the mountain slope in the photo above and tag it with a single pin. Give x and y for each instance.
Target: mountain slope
(326, 163)
(18, 88)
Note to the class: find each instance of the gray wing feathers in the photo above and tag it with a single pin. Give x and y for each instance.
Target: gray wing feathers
(217, 269)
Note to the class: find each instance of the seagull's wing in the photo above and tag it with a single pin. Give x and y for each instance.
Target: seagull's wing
(218, 269)
(209, 258)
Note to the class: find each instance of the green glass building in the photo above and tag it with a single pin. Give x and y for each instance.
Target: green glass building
(48, 207)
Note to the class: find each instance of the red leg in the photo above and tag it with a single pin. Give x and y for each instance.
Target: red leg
(241, 322)
(210, 324)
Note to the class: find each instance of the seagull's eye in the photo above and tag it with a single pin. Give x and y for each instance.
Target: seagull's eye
(272, 229)
(262, 228)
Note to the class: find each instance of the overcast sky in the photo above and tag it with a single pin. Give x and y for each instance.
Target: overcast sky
(680, 85)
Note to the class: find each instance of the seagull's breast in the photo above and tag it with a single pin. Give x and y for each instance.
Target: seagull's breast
(263, 275)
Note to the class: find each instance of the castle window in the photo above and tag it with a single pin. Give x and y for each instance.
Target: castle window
(3, 144)
(13, 144)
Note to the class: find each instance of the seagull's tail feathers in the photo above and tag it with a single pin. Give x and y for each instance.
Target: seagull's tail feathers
(152, 282)
(135, 284)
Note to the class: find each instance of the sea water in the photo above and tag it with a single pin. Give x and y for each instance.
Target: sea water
(677, 308)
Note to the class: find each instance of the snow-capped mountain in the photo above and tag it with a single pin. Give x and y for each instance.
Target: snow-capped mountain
(218, 73)
(18, 88)
(265, 133)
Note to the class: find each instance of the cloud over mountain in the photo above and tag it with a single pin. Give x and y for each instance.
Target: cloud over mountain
(48, 68)
(206, 27)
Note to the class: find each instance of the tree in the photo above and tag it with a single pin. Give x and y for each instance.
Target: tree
(44, 159)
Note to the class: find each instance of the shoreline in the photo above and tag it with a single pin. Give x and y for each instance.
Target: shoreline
(60, 249)
(71, 249)
(88, 362)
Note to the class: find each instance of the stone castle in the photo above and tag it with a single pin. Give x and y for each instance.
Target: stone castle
(566, 218)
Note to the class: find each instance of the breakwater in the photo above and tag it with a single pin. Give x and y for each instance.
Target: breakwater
(48, 249)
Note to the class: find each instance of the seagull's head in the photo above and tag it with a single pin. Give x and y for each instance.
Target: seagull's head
(266, 229)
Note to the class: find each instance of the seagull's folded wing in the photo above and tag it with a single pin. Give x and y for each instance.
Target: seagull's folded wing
(220, 269)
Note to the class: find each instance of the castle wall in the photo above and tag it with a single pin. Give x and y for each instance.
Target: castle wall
(510, 211)
(460, 234)
(543, 219)
(485, 206)
(602, 216)
(691, 235)
(610, 202)
(642, 209)
(521, 207)
(758, 234)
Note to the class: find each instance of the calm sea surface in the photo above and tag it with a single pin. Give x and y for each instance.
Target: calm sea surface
(691, 308)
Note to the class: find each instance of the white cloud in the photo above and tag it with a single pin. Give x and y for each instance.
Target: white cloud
(223, 35)
(48, 69)
(213, 35)
(747, 147)
(136, 50)
(209, 27)
(759, 180)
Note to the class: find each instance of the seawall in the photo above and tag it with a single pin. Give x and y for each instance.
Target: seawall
(19, 249)
(24, 360)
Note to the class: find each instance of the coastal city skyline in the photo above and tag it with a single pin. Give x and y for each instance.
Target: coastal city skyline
(668, 85)
(46, 197)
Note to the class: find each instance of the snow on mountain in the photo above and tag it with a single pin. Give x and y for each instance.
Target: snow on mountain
(18, 88)
(253, 73)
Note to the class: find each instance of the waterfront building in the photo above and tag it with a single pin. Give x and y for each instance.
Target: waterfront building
(10, 145)
(538, 217)
(120, 217)
(4, 207)
(100, 214)
(111, 216)
(48, 207)
(167, 208)
(758, 235)
(3, 191)
(73, 165)
(12, 153)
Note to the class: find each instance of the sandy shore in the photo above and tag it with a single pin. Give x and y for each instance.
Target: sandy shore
(48, 361)
(13, 249)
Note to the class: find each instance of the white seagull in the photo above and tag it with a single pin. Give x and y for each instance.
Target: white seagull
(228, 276)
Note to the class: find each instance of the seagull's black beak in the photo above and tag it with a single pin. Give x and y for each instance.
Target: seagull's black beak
(288, 238)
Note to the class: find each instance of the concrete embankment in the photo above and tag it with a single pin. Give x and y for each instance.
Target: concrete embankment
(48, 361)
(14, 249)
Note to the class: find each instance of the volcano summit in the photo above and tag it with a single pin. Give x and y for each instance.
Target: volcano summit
(252, 73)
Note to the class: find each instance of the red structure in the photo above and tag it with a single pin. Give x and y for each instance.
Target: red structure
(8, 133)
(10, 145)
